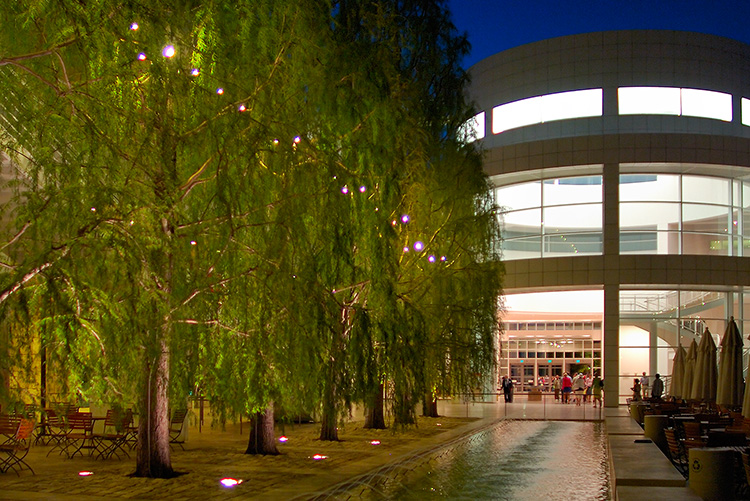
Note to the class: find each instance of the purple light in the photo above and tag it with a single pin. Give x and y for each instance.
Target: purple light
(431, 259)
(362, 189)
(142, 56)
(220, 91)
(241, 108)
(405, 218)
(442, 258)
(230, 482)
(375, 442)
(85, 473)
(318, 457)
(168, 51)
(283, 438)
(134, 26)
(345, 190)
(195, 72)
(406, 249)
(297, 139)
(418, 246)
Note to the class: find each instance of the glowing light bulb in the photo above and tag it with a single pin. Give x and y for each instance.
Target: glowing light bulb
(375, 442)
(297, 139)
(195, 72)
(283, 439)
(406, 249)
(168, 51)
(405, 218)
(93, 209)
(362, 189)
(134, 26)
(85, 473)
(393, 223)
(241, 108)
(418, 246)
(442, 258)
(142, 56)
(193, 242)
(431, 259)
(230, 482)
(220, 91)
(318, 457)
(345, 190)
(275, 141)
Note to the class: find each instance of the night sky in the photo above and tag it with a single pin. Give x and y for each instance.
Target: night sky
(497, 25)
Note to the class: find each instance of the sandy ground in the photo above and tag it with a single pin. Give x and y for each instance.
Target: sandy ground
(213, 454)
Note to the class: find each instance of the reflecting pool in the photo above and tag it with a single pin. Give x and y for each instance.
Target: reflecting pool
(513, 460)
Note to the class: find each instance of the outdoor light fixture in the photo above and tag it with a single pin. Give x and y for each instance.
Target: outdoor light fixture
(442, 258)
(406, 249)
(142, 56)
(241, 108)
(168, 51)
(297, 139)
(431, 259)
(134, 26)
(375, 442)
(220, 91)
(418, 246)
(283, 439)
(229, 482)
(85, 473)
(345, 190)
(93, 209)
(362, 189)
(439, 424)
(318, 457)
(195, 72)
(405, 218)
(193, 242)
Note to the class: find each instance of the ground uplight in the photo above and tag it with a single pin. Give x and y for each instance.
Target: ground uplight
(318, 457)
(375, 442)
(85, 473)
(229, 482)
(283, 439)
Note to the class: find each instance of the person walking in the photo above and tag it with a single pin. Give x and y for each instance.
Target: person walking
(658, 389)
(567, 387)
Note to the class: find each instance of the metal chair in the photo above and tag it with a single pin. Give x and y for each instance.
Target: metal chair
(175, 427)
(16, 446)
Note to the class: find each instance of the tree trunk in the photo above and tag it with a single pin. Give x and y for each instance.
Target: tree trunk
(374, 416)
(403, 409)
(262, 438)
(328, 419)
(153, 457)
(429, 405)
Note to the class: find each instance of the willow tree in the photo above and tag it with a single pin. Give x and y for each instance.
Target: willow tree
(138, 131)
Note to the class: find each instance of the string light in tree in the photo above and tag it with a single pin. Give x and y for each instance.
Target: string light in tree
(345, 190)
(405, 218)
(220, 91)
(418, 246)
(133, 26)
(142, 56)
(168, 51)
(195, 72)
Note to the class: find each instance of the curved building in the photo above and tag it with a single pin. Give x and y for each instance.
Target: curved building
(621, 162)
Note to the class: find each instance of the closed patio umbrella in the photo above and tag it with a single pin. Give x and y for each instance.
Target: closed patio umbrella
(704, 378)
(678, 373)
(729, 389)
(690, 358)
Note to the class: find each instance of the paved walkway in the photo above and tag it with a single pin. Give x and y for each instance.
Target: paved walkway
(212, 454)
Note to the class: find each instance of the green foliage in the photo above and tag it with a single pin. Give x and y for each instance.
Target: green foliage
(255, 230)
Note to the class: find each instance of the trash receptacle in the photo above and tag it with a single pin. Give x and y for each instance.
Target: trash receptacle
(712, 472)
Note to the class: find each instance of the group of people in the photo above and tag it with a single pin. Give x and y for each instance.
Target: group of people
(582, 387)
(642, 385)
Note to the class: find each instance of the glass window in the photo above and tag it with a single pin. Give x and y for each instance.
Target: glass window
(648, 100)
(566, 192)
(707, 104)
(519, 196)
(473, 129)
(745, 111)
(648, 187)
(712, 190)
(638, 216)
(705, 218)
(572, 218)
(547, 108)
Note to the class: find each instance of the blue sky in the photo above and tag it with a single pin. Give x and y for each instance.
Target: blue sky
(496, 25)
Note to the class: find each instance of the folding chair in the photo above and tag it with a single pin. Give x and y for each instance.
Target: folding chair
(16, 447)
(175, 427)
(114, 435)
(79, 430)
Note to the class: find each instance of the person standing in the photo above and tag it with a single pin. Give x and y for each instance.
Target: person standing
(645, 383)
(636, 390)
(658, 389)
(507, 388)
(579, 386)
(567, 387)
(597, 385)
(556, 386)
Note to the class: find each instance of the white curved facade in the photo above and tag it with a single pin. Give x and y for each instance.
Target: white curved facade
(622, 166)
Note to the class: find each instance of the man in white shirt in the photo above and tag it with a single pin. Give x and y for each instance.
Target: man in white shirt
(645, 383)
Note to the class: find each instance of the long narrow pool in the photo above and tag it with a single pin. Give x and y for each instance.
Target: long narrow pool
(514, 460)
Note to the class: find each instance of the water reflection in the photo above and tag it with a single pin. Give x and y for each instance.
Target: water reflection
(515, 460)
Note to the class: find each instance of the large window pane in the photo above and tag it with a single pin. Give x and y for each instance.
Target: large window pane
(574, 218)
(711, 190)
(572, 190)
(705, 218)
(572, 243)
(706, 244)
(519, 196)
(649, 187)
(649, 100)
(707, 104)
(663, 216)
(522, 248)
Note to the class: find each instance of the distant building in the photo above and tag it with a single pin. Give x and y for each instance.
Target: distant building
(622, 163)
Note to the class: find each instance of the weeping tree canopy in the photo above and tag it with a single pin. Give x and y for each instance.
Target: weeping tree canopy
(221, 195)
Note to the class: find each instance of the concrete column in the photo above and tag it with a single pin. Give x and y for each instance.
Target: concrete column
(653, 342)
(611, 251)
